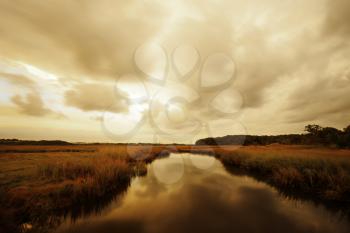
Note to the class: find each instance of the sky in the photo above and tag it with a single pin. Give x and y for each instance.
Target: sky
(172, 71)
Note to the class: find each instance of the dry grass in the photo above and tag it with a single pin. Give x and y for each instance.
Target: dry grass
(41, 181)
(321, 173)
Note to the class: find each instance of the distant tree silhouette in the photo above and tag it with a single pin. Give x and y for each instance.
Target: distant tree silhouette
(28, 142)
(313, 129)
(346, 137)
(347, 129)
(316, 135)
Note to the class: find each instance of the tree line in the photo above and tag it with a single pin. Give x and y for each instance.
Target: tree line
(31, 142)
(314, 135)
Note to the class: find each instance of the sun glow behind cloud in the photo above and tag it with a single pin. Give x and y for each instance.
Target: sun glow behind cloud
(292, 61)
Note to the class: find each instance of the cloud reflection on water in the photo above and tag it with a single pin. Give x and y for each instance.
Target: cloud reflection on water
(207, 201)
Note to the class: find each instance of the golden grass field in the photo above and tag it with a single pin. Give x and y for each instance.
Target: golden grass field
(40, 181)
(317, 172)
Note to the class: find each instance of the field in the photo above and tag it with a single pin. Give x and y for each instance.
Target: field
(38, 182)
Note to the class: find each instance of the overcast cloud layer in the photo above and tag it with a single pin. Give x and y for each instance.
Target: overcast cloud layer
(60, 62)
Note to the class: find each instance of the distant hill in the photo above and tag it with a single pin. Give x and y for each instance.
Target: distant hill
(28, 142)
(316, 135)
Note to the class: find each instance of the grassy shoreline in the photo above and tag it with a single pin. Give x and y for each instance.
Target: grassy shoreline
(320, 173)
(38, 182)
(48, 182)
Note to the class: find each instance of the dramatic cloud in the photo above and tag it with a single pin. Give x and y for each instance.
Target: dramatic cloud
(95, 97)
(95, 38)
(338, 18)
(292, 59)
(18, 80)
(31, 104)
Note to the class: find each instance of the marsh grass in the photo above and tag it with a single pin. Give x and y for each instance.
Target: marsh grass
(42, 186)
(320, 173)
(325, 178)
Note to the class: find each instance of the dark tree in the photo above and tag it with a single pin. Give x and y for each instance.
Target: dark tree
(347, 129)
(313, 129)
(317, 135)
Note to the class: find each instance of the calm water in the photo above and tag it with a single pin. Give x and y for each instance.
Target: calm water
(194, 193)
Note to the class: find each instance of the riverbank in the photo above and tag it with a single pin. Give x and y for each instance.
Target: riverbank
(38, 182)
(41, 184)
(322, 174)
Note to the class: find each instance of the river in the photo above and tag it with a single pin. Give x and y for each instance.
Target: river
(195, 193)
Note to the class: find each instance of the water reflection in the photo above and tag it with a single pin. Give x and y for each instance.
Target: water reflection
(210, 200)
(168, 171)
